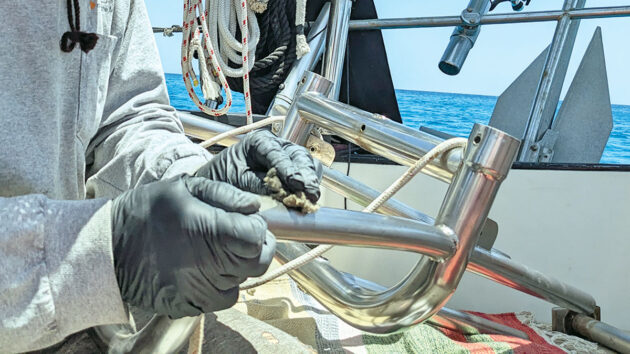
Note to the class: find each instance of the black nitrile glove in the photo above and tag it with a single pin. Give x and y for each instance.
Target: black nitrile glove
(182, 246)
(245, 164)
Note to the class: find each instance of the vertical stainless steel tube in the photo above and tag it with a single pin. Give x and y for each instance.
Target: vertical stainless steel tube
(544, 105)
(316, 40)
(336, 42)
(463, 37)
(297, 129)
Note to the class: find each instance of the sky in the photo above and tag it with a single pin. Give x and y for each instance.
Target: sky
(501, 53)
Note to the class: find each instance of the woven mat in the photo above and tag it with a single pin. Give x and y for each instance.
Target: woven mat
(283, 305)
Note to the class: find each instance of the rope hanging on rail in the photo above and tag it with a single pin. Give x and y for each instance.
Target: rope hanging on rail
(275, 52)
(196, 40)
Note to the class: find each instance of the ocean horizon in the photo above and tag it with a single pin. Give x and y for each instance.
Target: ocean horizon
(451, 113)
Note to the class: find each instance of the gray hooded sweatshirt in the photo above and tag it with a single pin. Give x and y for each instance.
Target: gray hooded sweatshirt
(76, 130)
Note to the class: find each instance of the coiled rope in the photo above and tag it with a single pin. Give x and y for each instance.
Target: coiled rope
(226, 37)
(276, 51)
(196, 39)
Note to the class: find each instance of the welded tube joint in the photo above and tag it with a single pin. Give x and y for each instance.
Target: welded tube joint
(296, 129)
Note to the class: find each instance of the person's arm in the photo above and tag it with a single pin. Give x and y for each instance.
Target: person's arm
(140, 139)
(56, 270)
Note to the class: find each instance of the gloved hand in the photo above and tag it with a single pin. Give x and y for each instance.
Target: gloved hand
(245, 164)
(182, 246)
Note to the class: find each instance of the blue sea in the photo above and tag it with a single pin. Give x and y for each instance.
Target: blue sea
(451, 113)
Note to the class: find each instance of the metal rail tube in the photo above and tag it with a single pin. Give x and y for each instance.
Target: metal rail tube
(316, 40)
(336, 42)
(204, 128)
(517, 276)
(430, 284)
(489, 19)
(464, 37)
(544, 105)
(364, 195)
(296, 129)
(377, 135)
(352, 228)
(601, 332)
(467, 323)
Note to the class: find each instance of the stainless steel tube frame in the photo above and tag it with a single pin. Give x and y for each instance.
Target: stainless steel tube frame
(296, 129)
(378, 135)
(491, 265)
(316, 40)
(336, 42)
(426, 289)
(463, 37)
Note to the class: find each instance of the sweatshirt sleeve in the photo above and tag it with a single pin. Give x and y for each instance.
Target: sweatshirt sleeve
(140, 139)
(57, 273)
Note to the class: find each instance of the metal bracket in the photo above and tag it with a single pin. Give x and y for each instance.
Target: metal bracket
(561, 319)
(543, 149)
(321, 150)
(470, 17)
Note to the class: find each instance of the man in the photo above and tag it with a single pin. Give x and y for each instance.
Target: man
(165, 226)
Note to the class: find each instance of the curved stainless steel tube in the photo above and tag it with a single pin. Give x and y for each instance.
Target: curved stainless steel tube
(430, 284)
(353, 228)
(377, 135)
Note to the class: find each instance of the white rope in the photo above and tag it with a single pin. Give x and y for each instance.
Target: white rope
(192, 34)
(226, 14)
(301, 45)
(375, 204)
(241, 130)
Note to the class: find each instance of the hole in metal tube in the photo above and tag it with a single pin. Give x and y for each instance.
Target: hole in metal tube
(363, 128)
(477, 139)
